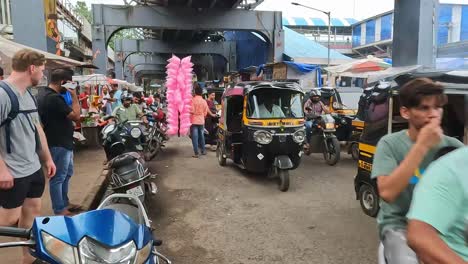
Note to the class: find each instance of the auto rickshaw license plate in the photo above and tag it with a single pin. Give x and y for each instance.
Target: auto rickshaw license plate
(282, 138)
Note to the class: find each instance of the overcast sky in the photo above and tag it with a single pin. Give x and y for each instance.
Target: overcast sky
(358, 9)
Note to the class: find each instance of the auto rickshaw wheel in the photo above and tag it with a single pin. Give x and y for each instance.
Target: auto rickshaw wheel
(332, 156)
(369, 200)
(283, 179)
(219, 155)
(355, 150)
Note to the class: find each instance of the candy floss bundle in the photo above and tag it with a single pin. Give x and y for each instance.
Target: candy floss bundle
(179, 95)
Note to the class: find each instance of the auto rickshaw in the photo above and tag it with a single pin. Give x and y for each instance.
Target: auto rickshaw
(382, 116)
(262, 128)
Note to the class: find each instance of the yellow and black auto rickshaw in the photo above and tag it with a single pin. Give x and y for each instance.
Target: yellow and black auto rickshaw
(262, 128)
(382, 116)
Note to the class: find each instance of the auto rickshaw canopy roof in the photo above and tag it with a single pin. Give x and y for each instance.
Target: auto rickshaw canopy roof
(244, 88)
(455, 82)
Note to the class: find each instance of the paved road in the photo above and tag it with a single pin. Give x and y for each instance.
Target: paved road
(209, 214)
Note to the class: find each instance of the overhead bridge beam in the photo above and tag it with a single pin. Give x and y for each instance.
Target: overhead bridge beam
(108, 19)
(126, 47)
(121, 68)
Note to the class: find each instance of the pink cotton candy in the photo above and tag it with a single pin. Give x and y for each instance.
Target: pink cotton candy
(179, 96)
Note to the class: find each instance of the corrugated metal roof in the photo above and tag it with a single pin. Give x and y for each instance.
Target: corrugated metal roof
(314, 21)
(299, 46)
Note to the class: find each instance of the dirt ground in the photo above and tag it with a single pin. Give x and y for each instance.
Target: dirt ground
(205, 213)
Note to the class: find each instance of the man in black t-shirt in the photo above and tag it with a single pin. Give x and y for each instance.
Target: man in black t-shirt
(57, 119)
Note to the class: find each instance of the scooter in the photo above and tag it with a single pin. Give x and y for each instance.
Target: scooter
(113, 233)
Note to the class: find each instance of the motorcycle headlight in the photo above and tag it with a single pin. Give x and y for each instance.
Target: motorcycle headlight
(263, 137)
(135, 132)
(93, 253)
(330, 126)
(144, 253)
(59, 250)
(299, 136)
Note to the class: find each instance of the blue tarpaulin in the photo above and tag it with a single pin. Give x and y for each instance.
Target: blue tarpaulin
(302, 67)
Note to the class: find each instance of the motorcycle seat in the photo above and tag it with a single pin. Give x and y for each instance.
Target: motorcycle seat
(124, 160)
(127, 209)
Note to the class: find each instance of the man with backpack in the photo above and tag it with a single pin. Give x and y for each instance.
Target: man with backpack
(57, 118)
(23, 145)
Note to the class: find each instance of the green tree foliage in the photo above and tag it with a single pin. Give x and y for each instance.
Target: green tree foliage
(82, 9)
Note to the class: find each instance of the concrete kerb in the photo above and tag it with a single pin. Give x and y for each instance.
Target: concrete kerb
(94, 196)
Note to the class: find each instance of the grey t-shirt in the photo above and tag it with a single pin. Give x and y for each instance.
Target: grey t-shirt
(23, 159)
(391, 151)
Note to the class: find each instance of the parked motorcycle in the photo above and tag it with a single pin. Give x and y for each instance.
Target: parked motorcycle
(156, 136)
(122, 137)
(323, 139)
(113, 233)
(131, 177)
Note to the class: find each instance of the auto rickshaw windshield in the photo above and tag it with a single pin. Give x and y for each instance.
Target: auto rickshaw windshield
(275, 103)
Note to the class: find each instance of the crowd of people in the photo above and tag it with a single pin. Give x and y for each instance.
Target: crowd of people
(421, 218)
(36, 135)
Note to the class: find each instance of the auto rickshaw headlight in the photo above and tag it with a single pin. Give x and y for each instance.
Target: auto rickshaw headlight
(299, 136)
(263, 137)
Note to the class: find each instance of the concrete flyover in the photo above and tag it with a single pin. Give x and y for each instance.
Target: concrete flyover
(127, 47)
(108, 19)
(143, 67)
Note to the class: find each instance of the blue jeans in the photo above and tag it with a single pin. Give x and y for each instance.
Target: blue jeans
(58, 185)
(308, 126)
(198, 138)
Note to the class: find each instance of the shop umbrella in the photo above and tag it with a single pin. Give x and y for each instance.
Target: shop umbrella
(369, 66)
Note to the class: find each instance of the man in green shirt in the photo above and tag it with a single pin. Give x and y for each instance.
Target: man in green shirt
(401, 159)
(439, 211)
(128, 111)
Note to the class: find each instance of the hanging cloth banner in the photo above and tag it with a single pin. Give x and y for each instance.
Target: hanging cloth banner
(179, 95)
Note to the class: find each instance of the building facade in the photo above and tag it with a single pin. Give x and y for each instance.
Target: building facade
(373, 36)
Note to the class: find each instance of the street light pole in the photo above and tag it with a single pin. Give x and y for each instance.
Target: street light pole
(329, 28)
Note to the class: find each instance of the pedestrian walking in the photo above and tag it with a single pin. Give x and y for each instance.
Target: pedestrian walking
(57, 118)
(198, 114)
(23, 145)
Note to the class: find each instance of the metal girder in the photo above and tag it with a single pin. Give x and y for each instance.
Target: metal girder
(149, 67)
(108, 19)
(131, 76)
(156, 74)
(134, 59)
(227, 49)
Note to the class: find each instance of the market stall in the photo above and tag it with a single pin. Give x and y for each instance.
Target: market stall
(8, 49)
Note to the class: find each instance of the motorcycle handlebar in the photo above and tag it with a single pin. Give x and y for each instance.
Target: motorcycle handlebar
(15, 232)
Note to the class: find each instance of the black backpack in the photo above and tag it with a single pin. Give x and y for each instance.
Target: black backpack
(14, 112)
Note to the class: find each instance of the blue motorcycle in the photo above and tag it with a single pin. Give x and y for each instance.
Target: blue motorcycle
(114, 233)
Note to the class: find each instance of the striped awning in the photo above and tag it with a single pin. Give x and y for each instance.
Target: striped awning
(313, 21)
